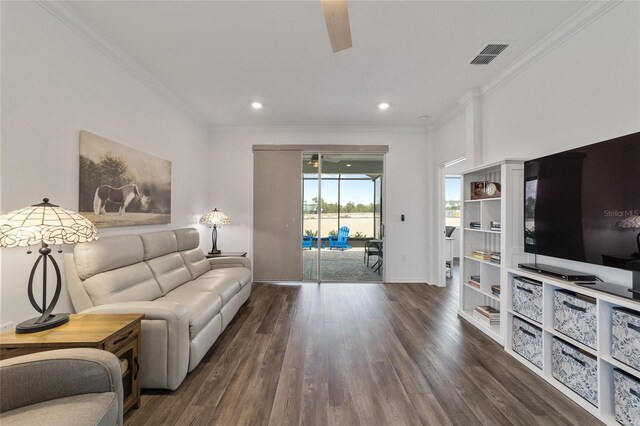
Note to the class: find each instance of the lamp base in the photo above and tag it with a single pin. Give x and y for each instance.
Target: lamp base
(31, 325)
(215, 251)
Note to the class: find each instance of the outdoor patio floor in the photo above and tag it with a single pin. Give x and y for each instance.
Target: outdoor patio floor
(339, 265)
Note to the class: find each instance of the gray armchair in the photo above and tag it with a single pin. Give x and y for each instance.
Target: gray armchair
(61, 387)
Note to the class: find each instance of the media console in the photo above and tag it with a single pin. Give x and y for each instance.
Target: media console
(492, 229)
(560, 273)
(544, 329)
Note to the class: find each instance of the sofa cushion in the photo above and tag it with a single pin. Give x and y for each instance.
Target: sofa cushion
(170, 271)
(86, 409)
(196, 263)
(224, 287)
(242, 275)
(158, 244)
(107, 254)
(202, 307)
(188, 238)
(127, 284)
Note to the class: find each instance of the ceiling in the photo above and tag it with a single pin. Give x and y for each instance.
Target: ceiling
(219, 56)
(335, 163)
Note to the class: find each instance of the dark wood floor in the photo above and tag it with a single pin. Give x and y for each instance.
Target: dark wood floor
(349, 354)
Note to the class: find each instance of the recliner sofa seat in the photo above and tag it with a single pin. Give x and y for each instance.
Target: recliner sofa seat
(187, 299)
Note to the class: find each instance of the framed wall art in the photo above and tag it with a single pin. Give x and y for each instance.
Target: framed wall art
(121, 186)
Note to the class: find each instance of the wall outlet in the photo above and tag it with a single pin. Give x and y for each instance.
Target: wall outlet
(6, 326)
(403, 258)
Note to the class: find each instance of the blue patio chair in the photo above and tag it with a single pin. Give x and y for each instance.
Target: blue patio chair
(340, 241)
(307, 240)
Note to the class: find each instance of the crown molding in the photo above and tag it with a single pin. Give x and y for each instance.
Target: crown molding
(319, 129)
(72, 19)
(563, 32)
(456, 109)
(471, 96)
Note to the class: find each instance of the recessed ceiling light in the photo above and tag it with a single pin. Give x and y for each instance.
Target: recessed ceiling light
(383, 105)
(423, 117)
(349, 165)
(256, 105)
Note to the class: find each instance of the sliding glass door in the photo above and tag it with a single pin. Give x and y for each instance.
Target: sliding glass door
(310, 216)
(342, 217)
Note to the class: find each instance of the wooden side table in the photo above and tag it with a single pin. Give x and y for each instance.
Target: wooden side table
(115, 333)
(228, 254)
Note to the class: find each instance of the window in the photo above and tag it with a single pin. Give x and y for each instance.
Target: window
(347, 200)
(452, 201)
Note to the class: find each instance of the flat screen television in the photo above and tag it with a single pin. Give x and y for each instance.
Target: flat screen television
(584, 204)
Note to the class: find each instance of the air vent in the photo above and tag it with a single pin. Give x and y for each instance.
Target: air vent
(488, 54)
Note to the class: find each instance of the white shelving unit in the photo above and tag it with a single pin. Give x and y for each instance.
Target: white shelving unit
(606, 363)
(507, 209)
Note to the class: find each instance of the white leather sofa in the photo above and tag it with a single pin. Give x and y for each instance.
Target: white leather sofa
(187, 299)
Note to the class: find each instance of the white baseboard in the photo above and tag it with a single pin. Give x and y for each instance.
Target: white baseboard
(406, 281)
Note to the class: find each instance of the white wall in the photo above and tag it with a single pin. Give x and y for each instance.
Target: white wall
(54, 83)
(448, 142)
(450, 137)
(406, 188)
(584, 91)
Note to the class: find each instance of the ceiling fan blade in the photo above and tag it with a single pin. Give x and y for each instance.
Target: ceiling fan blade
(336, 16)
(331, 158)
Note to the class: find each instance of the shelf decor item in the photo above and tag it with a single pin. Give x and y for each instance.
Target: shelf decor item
(474, 281)
(625, 336)
(527, 341)
(214, 218)
(575, 315)
(45, 224)
(527, 298)
(481, 255)
(487, 315)
(485, 189)
(626, 396)
(576, 369)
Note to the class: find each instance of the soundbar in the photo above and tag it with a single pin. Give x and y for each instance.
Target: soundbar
(561, 273)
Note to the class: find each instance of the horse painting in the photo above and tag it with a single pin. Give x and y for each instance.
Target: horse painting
(106, 165)
(122, 196)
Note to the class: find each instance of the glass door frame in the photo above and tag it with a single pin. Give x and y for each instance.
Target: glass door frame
(318, 210)
(378, 233)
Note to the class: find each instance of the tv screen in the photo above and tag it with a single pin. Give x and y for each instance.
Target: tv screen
(584, 204)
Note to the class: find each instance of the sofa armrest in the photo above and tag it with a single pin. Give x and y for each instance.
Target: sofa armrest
(43, 376)
(167, 311)
(229, 262)
(176, 318)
